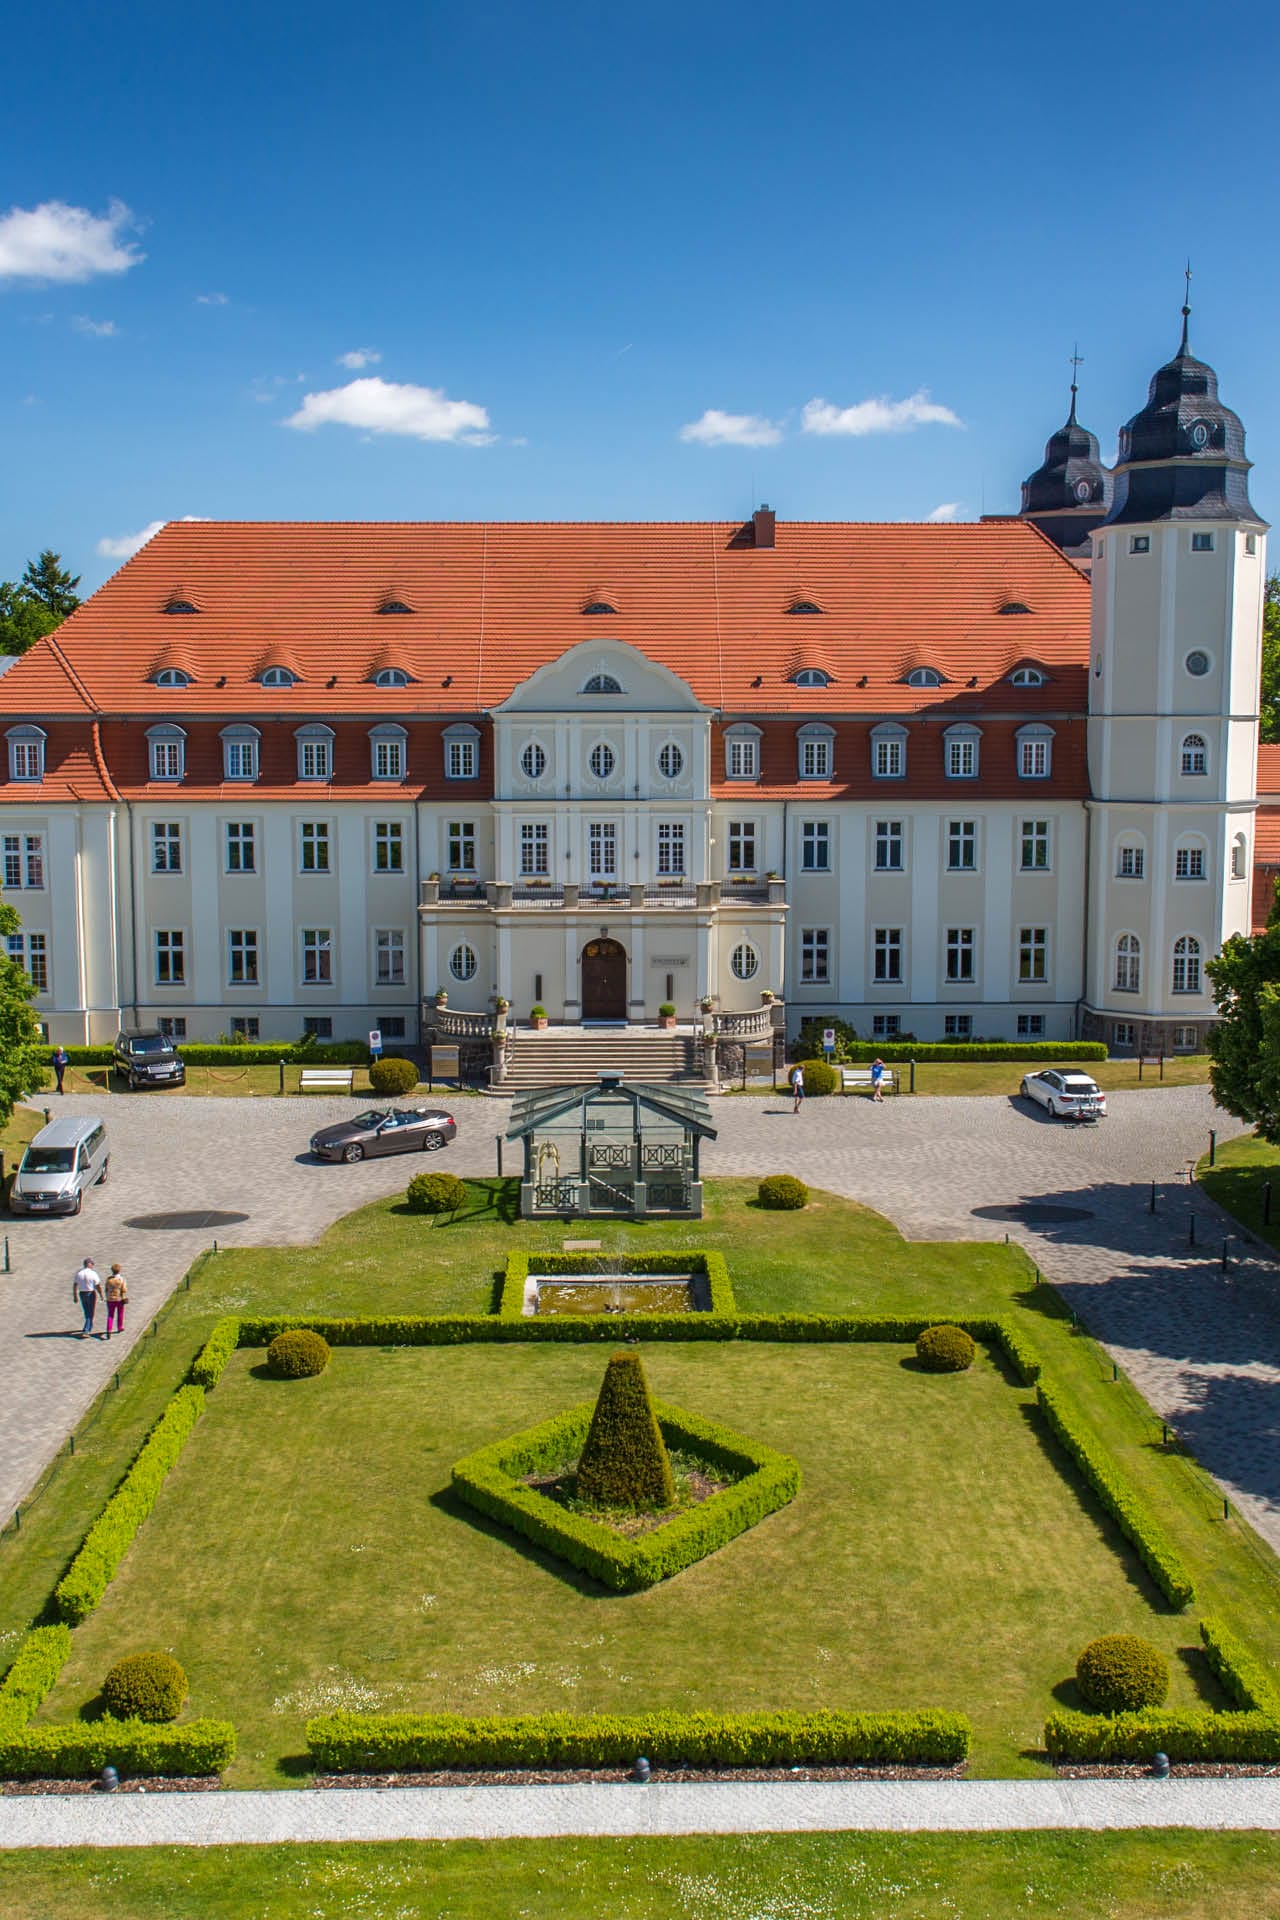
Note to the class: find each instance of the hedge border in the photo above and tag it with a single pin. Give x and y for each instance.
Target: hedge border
(406, 1742)
(1250, 1733)
(849, 1047)
(486, 1480)
(704, 1260)
(199, 1053)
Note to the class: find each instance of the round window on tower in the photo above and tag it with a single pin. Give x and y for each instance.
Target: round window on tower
(1198, 662)
(1083, 491)
(1199, 434)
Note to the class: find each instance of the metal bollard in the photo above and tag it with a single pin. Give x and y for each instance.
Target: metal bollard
(1213, 1147)
(282, 1076)
(1266, 1205)
(7, 1267)
(912, 1087)
(497, 1141)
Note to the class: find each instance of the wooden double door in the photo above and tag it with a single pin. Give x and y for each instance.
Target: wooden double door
(604, 980)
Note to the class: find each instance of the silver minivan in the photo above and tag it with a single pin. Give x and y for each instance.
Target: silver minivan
(64, 1158)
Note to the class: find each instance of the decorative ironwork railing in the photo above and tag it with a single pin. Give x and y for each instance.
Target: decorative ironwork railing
(559, 1196)
(667, 1196)
(535, 896)
(616, 1199)
(604, 1154)
(671, 1155)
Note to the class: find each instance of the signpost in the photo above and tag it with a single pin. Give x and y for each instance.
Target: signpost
(828, 1039)
(375, 1042)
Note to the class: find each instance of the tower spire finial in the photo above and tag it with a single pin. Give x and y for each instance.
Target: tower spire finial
(1077, 361)
(1186, 310)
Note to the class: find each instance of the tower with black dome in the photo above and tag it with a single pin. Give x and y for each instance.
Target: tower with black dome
(1069, 494)
(1178, 580)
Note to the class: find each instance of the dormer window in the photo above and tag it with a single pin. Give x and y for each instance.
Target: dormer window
(391, 677)
(394, 606)
(1035, 752)
(1028, 677)
(742, 753)
(804, 606)
(602, 683)
(960, 746)
(276, 677)
(167, 747)
(924, 677)
(26, 753)
(811, 676)
(171, 677)
(888, 751)
(815, 746)
(240, 753)
(387, 752)
(461, 752)
(315, 752)
(178, 606)
(1013, 606)
(599, 606)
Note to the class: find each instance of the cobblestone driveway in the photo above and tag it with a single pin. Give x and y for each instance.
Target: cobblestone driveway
(1204, 1349)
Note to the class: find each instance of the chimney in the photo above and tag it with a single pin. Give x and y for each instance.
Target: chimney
(762, 523)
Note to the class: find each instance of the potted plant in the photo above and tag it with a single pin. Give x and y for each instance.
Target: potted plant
(667, 1015)
(442, 997)
(767, 996)
(538, 1018)
(706, 1004)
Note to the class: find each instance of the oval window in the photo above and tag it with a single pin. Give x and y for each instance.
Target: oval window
(602, 761)
(1197, 662)
(671, 761)
(462, 963)
(744, 961)
(533, 761)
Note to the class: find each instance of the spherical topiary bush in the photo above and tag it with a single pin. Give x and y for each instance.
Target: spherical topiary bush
(297, 1353)
(436, 1193)
(944, 1349)
(393, 1075)
(1120, 1673)
(145, 1686)
(820, 1079)
(782, 1192)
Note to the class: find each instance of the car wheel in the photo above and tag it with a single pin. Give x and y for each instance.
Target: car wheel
(432, 1142)
(353, 1153)
(1026, 1091)
(79, 1203)
(102, 1177)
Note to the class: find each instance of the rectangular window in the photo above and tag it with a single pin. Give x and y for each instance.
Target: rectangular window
(1031, 1026)
(888, 759)
(317, 957)
(1035, 846)
(388, 846)
(1202, 543)
(815, 955)
(742, 846)
(24, 860)
(535, 849)
(174, 1026)
(171, 964)
(1033, 759)
(242, 957)
(959, 954)
(1186, 1039)
(1188, 863)
(462, 846)
(889, 846)
(1033, 954)
(314, 846)
(962, 759)
(318, 1025)
(602, 850)
(1139, 543)
(245, 1026)
(1251, 544)
(1122, 1033)
(26, 759)
(888, 954)
(886, 1026)
(388, 954)
(460, 759)
(815, 846)
(166, 759)
(242, 854)
(315, 759)
(957, 1026)
(166, 846)
(33, 854)
(962, 845)
(670, 846)
(13, 859)
(743, 758)
(1130, 863)
(388, 759)
(240, 759)
(392, 1025)
(815, 757)
(31, 952)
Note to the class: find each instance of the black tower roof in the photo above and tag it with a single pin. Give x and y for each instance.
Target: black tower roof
(1069, 493)
(1182, 457)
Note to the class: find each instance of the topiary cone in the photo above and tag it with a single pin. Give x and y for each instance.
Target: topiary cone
(624, 1462)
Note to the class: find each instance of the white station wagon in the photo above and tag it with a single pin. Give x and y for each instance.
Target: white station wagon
(1067, 1094)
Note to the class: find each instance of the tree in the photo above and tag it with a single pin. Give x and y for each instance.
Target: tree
(21, 1048)
(624, 1462)
(1269, 707)
(49, 583)
(1244, 1047)
(23, 621)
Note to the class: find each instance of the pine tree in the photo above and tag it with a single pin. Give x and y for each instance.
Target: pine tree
(47, 581)
(624, 1462)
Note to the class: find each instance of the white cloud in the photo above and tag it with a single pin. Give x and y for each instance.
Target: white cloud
(385, 406)
(128, 544)
(359, 357)
(56, 242)
(717, 429)
(99, 329)
(949, 510)
(213, 300)
(880, 415)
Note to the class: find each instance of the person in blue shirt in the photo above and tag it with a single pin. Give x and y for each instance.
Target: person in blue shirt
(877, 1080)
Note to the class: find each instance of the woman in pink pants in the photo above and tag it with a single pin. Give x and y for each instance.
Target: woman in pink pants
(117, 1294)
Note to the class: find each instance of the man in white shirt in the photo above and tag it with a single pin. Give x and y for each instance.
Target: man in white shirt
(85, 1288)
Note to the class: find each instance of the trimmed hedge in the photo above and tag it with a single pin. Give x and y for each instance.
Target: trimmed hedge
(1114, 1493)
(108, 1539)
(1240, 1672)
(712, 1264)
(849, 1047)
(782, 1193)
(418, 1742)
(206, 1368)
(132, 1747)
(624, 1459)
(489, 1481)
(335, 1053)
(1251, 1735)
(36, 1665)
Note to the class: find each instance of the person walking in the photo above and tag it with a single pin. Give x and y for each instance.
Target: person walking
(60, 1064)
(797, 1087)
(116, 1293)
(877, 1081)
(85, 1289)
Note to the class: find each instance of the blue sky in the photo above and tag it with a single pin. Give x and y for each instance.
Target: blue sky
(569, 232)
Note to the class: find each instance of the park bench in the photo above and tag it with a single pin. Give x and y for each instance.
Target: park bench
(858, 1079)
(326, 1079)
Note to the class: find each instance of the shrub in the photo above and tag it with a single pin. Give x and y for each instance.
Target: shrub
(537, 1011)
(1120, 1673)
(36, 1665)
(298, 1354)
(392, 1075)
(667, 1011)
(782, 1193)
(820, 1079)
(133, 1748)
(624, 1460)
(206, 1368)
(435, 1193)
(905, 1046)
(145, 1686)
(945, 1349)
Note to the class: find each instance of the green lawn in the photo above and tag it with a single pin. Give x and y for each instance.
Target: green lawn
(1238, 1183)
(1004, 1077)
(822, 1876)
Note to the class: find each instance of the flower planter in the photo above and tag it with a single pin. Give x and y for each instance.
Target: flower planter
(667, 1021)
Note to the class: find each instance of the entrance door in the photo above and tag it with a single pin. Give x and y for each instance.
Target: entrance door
(604, 980)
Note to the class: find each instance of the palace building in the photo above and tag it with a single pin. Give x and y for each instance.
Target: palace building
(994, 779)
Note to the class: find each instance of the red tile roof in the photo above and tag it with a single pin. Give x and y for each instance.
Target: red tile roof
(1268, 770)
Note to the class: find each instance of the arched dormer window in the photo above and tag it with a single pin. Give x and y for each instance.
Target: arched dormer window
(171, 677)
(461, 752)
(277, 677)
(390, 677)
(26, 752)
(388, 746)
(1035, 752)
(889, 751)
(811, 677)
(742, 752)
(315, 752)
(960, 752)
(240, 752)
(394, 606)
(602, 683)
(1194, 756)
(179, 605)
(924, 677)
(1128, 974)
(1028, 677)
(804, 606)
(816, 747)
(1013, 606)
(599, 606)
(167, 751)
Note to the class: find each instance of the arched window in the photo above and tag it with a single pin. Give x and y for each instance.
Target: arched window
(167, 747)
(602, 683)
(533, 761)
(599, 606)
(1128, 963)
(1186, 964)
(1028, 677)
(924, 677)
(670, 761)
(602, 760)
(178, 606)
(1014, 606)
(276, 677)
(804, 606)
(744, 961)
(1239, 858)
(394, 606)
(811, 676)
(1195, 754)
(462, 962)
(391, 677)
(171, 677)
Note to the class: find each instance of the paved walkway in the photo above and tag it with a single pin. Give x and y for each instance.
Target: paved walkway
(516, 1813)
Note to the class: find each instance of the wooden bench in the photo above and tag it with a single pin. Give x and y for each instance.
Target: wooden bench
(858, 1080)
(326, 1079)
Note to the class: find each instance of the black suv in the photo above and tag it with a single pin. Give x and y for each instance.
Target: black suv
(148, 1060)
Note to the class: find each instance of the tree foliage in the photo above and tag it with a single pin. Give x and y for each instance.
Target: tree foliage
(624, 1462)
(1269, 699)
(1244, 1047)
(21, 1059)
(46, 581)
(36, 604)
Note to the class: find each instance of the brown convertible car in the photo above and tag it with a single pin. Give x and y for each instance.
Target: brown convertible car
(385, 1130)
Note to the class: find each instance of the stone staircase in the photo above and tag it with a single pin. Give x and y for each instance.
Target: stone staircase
(568, 1056)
